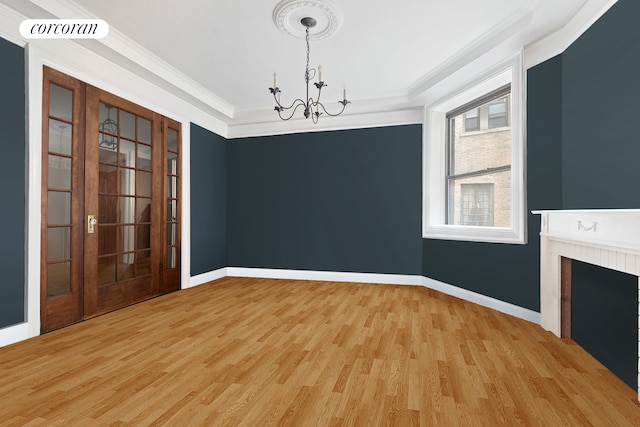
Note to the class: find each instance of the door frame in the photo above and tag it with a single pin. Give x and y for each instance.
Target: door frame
(90, 67)
(86, 99)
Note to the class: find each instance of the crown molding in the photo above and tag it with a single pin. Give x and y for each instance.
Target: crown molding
(557, 42)
(302, 125)
(482, 45)
(127, 48)
(9, 23)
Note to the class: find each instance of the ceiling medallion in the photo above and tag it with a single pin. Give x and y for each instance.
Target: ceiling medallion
(288, 14)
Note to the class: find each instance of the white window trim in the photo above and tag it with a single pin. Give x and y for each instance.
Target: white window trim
(434, 224)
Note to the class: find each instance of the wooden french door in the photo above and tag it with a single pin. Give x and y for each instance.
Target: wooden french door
(110, 205)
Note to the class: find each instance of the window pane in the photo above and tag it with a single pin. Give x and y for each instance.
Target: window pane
(483, 201)
(106, 270)
(107, 238)
(58, 278)
(144, 157)
(172, 210)
(471, 120)
(144, 130)
(126, 266)
(127, 153)
(172, 258)
(126, 238)
(59, 243)
(59, 172)
(108, 119)
(172, 140)
(172, 163)
(60, 102)
(172, 187)
(108, 182)
(143, 237)
(172, 234)
(144, 184)
(59, 137)
(59, 207)
(127, 125)
(107, 144)
(482, 150)
(143, 210)
(107, 209)
(498, 116)
(143, 263)
(127, 210)
(128, 181)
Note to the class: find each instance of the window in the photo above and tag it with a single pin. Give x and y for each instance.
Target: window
(471, 120)
(498, 113)
(489, 116)
(474, 159)
(479, 160)
(476, 205)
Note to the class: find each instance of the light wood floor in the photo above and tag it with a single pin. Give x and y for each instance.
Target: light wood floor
(260, 352)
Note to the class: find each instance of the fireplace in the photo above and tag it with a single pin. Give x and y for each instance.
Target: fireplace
(608, 238)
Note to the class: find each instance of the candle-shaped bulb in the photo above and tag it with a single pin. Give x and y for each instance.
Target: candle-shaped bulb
(279, 95)
(319, 72)
(344, 92)
(275, 76)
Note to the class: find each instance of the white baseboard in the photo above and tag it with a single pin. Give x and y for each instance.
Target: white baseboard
(329, 276)
(483, 300)
(207, 277)
(391, 279)
(13, 334)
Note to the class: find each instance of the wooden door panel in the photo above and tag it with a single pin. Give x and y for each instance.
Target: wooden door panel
(62, 197)
(118, 162)
(123, 169)
(122, 294)
(172, 214)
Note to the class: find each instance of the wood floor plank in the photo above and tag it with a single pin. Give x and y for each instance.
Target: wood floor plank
(243, 351)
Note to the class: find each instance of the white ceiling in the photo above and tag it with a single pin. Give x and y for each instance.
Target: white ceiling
(384, 51)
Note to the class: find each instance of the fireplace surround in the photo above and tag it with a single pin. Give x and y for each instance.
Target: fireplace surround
(608, 238)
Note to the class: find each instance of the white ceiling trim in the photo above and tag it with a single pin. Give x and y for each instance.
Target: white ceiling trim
(557, 42)
(496, 36)
(302, 125)
(9, 23)
(128, 48)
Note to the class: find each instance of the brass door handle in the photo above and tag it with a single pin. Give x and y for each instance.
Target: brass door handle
(91, 224)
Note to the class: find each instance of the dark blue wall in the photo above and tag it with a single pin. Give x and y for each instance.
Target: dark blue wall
(208, 201)
(511, 272)
(12, 174)
(338, 201)
(601, 91)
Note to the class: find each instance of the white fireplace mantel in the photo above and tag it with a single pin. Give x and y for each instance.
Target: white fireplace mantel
(608, 238)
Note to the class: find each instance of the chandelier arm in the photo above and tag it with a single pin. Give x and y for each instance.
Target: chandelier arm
(295, 108)
(344, 105)
(293, 104)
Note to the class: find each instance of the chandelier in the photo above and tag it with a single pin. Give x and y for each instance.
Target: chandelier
(110, 127)
(312, 108)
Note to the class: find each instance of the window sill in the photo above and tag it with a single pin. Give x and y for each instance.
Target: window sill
(474, 234)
